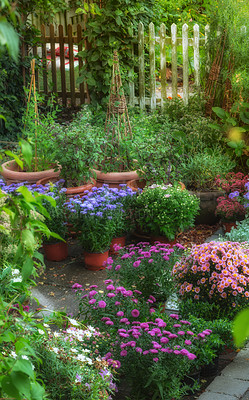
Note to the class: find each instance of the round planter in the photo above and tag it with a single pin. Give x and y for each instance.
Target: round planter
(227, 226)
(208, 204)
(55, 251)
(71, 191)
(95, 261)
(140, 183)
(163, 240)
(113, 179)
(116, 241)
(11, 174)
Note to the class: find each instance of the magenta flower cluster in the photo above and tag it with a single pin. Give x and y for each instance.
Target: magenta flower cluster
(214, 272)
(146, 267)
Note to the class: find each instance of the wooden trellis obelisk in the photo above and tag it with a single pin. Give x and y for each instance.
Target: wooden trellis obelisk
(117, 124)
(33, 88)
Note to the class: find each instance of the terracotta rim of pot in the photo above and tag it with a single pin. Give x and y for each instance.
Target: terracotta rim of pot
(71, 191)
(115, 177)
(11, 174)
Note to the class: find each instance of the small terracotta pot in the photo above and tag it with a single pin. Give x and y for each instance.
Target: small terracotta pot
(95, 261)
(71, 191)
(55, 251)
(10, 172)
(120, 241)
(113, 179)
(227, 226)
(163, 239)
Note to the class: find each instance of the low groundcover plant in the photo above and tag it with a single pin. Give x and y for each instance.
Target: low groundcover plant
(154, 352)
(146, 267)
(215, 273)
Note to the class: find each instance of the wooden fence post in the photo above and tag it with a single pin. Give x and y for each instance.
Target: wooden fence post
(141, 65)
(71, 65)
(62, 66)
(131, 77)
(185, 63)
(207, 33)
(162, 40)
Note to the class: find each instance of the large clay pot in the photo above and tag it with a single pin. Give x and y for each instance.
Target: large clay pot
(140, 183)
(95, 261)
(116, 241)
(12, 174)
(71, 191)
(113, 179)
(55, 251)
(208, 204)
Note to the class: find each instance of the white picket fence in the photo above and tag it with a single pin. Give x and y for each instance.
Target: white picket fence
(173, 41)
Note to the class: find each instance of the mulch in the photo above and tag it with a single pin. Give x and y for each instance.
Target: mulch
(197, 235)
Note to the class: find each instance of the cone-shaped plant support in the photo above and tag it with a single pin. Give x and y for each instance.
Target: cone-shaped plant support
(117, 124)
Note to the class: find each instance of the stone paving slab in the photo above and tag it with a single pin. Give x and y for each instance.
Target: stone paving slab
(226, 385)
(237, 370)
(216, 396)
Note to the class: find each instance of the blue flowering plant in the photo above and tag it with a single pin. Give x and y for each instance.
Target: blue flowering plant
(101, 215)
(166, 210)
(154, 351)
(146, 267)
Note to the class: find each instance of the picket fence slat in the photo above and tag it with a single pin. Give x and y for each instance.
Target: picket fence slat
(141, 65)
(174, 59)
(62, 66)
(143, 92)
(163, 69)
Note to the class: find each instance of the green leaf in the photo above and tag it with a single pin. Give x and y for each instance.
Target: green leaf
(16, 158)
(9, 38)
(219, 112)
(244, 117)
(28, 239)
(24, 366)
(26, 194)
(37, 391)
(27, 268)
(241, 327)
(7, 336)
(39, 256)
(21, 382)
(26, 151)
(9, 389)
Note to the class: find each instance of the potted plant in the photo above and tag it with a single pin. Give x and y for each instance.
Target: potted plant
(233, 205)
(116, 163)
(55, 248)
(76, 147)
(92, 216)
(165, 210)
(36, 150)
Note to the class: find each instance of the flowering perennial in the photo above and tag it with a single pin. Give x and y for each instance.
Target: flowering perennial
(146, 267)
(215, 272)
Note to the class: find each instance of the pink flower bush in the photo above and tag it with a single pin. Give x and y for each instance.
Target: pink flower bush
(146, 267)
(214, 272)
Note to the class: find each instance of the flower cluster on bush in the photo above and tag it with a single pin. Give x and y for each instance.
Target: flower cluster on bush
(233, 205)
(83, 372)
(216, 273)
(166, 210)
(146, 267)
(149, 346)
(102, 214)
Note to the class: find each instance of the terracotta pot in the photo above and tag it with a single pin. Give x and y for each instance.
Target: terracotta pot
(95, 261)
(120, 241)
(71, 191)
(11, 174)
(114, 179)
(227, 226)
(208, 204)
(55, 251)
(140, 183)
(163, 239)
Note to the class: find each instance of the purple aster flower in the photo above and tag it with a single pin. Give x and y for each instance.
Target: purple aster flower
(102, 304)
(135, 313)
